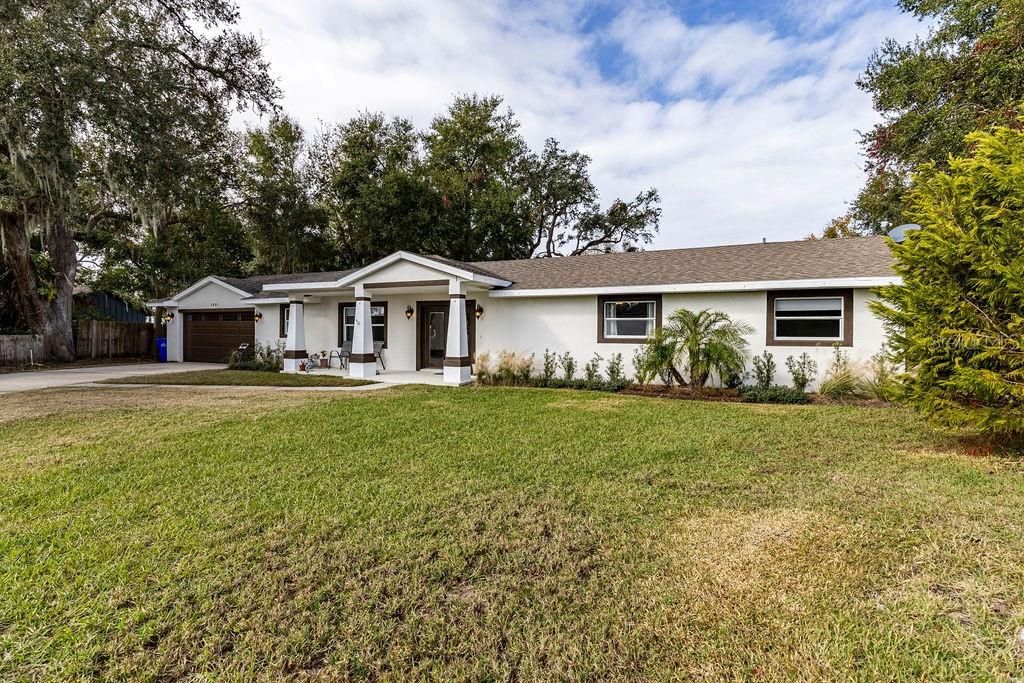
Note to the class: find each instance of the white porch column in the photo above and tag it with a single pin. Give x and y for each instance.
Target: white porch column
(175, 336)
(295, 345)
(362, 364)
(457, 363)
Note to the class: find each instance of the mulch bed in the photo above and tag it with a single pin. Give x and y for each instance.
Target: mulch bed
(733, 395)
(684, 393)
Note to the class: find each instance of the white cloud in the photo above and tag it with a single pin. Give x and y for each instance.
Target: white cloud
(816, 15)
(747, 133)
(735, 57)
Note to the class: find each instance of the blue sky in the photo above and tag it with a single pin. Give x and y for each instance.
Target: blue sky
(743, 114)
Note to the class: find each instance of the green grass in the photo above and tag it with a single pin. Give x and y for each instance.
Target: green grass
(241, 378)
(480, 533)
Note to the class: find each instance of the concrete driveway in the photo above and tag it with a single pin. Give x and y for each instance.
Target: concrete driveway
(45, 379)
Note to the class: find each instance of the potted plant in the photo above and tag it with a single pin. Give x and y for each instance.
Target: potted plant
(325, 362)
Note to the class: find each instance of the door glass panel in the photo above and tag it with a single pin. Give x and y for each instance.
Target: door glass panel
(436, 333)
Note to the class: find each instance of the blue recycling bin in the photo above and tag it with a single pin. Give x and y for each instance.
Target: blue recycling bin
(161, 349)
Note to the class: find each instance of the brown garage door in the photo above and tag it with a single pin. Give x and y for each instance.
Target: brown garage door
(211, 336)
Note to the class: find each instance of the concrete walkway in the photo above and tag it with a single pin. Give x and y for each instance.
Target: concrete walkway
(240, 387)
(434, 377)
(45, 379)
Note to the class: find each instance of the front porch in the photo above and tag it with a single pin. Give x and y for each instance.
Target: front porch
(411, 318)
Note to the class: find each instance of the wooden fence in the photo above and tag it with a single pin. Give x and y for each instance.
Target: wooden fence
(21, 349)
(93, 339)
(112, 339)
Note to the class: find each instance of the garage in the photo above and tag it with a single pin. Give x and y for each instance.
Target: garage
(211, 336)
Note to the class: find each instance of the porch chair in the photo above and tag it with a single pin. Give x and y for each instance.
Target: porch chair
(341, 354)
(378, 347)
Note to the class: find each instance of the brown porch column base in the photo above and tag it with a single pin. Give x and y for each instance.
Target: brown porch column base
(297, 353)
(457, 362)
(362, 358)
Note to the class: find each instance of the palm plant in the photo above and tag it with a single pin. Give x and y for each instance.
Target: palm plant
(658, 358)
(708, 342)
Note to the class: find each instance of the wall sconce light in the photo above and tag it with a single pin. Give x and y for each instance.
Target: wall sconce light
(257, 316)
(168, 316)
(409, 312)
(479, 311)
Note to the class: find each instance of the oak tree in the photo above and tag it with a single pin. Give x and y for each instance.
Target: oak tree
(144, 88)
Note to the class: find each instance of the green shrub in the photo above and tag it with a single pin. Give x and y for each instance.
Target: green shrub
(615, 372)
(258, 357)
(735, 380)
(550, 365)
(774, 394)
(592, 370)
(764, 370)
(956, 320)
(562, 383)
(568, 364)
(803, 370)
(643, 373)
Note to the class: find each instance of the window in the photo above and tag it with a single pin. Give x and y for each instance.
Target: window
(378, 318)
(797, 319)
(284, 318)
(628, 319)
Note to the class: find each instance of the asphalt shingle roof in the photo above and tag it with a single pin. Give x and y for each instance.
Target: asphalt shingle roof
(254, 284)
(804, 259)
(799, 260)
(479, 268)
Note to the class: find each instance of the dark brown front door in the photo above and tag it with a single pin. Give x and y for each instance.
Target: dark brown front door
(433, 334)
(211, 336)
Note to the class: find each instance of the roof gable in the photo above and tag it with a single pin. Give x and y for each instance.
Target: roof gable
(436, 263)
(469, 272)
(210, 279)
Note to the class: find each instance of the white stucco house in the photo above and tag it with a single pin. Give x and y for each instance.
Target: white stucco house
(429, 313)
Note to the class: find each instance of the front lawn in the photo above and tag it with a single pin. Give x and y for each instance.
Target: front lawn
(498, 534)
(241, 378)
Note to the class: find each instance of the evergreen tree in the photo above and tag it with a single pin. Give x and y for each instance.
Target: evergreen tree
(957, 319)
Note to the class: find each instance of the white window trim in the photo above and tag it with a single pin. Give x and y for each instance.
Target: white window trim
(605, 319)
(287, 312)
(841, 318)
(345, 327)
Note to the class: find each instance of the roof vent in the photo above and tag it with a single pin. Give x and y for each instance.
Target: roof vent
(900, 232)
